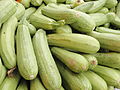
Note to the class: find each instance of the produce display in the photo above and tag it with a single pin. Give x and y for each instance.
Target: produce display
(59, 45)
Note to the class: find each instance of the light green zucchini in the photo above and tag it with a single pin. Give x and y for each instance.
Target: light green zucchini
(36, 2)
(22, 85)
(111, 3)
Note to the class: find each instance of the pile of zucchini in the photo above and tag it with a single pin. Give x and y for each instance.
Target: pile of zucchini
(59, 44)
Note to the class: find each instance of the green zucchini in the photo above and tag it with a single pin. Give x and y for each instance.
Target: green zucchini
(76, 42)
(47, 68)
(7, 42)
(50, 1)
(103, 10)
(26, 59)
(116, 22)
(26, 3)
(36, 84)
(111, 3)
(118, 10)
(22, 85)
(111, 88)
(36, 2)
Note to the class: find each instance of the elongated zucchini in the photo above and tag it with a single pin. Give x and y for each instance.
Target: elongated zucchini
(111, 76)
(26, 59)
(111, 59)
(77, 42)
(74, 81)
(107, 30)
(22, 85)
(116, 22)
(118, 10)
(107, 25)
(36, 84)
(111, 3)
(92, 61)
(64, 29)
(36, 2)
(2, 72)
(47, 68)
(26, 3)
(10, 83)
(7, 9)
(96, 81)
(75, 62)
(103, 10)
(20, 11)
(7, 38)
(50, 1)
(107, 40)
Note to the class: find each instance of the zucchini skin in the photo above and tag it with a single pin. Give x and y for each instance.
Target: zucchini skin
(47, 68)
(71, 41)
(22, 85)
(26, 59)
(7, 42)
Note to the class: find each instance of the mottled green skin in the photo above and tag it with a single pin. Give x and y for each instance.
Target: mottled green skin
(77, 42)
(7, 9)
(109, 59)
(10, 83)
(109, 75)
(75, 62)
(107, 40)
(103, 10)
(26, 59)
(22, 85)
(7, 42)
(107, 30)
(36, 84)
(96, 81)
(47, 68)
(111, 3)
(74, 81)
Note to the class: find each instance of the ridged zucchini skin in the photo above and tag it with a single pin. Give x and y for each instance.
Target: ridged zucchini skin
(110, 75)
(75, 62)
(7, 42)
(47, 68)
(74, 81)
(97, 6)
(64, 29)
(111, 3)
(7, 9)
(50, 1)
(61, 1)
(103, 10)
(116, 22)
(107, 30)
(20, 11)
(26, 3)
(96, 81)
(22, 85)
(10, 83)
(3, 72)
(107, 40)
(111, 59)
(92, 60)
(26, 59)
(71, 41)
(111, 88)
(36, 84)
(36, 2)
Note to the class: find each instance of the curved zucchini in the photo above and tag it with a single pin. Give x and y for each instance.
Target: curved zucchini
(7, 9)
(100, 84)
(107, 40)
(75, 62)
(74, 81)
(10, 83)
(36, 84)
(26, 59)
(2, 72)
(22, 85)
(77, 42)
(47, 68)
(7, 44)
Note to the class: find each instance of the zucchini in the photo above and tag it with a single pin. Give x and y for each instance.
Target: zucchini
(36, 84)
(7, 42)
(92, 77)
(118, 10)
(75, 62)
(107, 40)
(50, 1)
(71, 41)
(111, 88)
(47, 68)
(26, 3)
(103, 10)
(36, 2)
(111, 3)
(26, 59)
(22, 85)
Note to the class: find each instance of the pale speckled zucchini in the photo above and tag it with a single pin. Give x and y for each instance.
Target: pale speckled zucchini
(36, 84)
(22, 85)
(96, 81)
(7, 9)
(75, 62)
(10, 83)
(47, 68)
(71, 41)
(2, 72)
(26, 59)
(7, 42)
(107, 40)
(74, 81)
